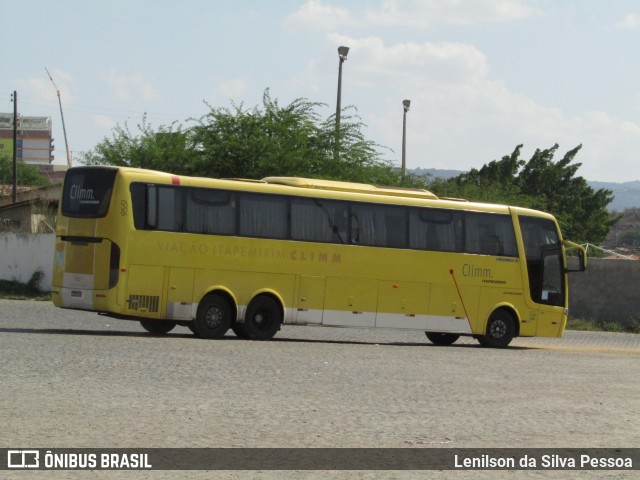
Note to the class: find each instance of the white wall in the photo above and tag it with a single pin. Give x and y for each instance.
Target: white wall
(21, 254)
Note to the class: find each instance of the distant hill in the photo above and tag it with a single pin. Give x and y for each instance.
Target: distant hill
(434, 172)
(626, 195)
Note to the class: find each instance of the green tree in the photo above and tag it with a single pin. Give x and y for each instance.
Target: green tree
(167, 149)
(539, 183)
(252, 143)
(26, 174)
(291, 141)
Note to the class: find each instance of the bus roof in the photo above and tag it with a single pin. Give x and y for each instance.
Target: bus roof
(339, 186)
(329, 189)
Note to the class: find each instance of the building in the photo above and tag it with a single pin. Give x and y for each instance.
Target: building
(34, 212)
(34, 141)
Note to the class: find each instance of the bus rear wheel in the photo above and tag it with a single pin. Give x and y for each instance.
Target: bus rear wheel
(442, 339)
(263, 318)
(157, 327)
(500, 330)
(238, 329)
(213, 318)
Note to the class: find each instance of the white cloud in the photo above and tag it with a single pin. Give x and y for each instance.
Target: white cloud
(422, 13)
(316, 15)
(630, 21)
(230, 88)
(416, 63)
(103, 122)
(41, 89)
(129, 87)
(461, 118)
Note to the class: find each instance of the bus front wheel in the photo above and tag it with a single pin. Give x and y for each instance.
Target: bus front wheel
(442, 339)
(157, 327)
(500, 330)
(213, 318)
(263, 318)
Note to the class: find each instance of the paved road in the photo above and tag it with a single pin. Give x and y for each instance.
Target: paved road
(75, 379)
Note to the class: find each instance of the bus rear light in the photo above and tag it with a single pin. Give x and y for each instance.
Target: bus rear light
(114, 265)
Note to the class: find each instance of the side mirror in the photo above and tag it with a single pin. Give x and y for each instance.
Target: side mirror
(582, 257)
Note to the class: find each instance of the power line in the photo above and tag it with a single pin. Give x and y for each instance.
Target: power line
(91, 109)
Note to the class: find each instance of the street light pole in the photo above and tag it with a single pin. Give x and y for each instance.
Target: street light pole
(405, 106)
(342, 54)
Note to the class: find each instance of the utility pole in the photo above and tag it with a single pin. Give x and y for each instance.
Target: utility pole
(64, 129)
(15, 147)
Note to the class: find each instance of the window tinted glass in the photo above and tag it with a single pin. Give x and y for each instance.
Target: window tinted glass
(536, 234)
(87, 192)
(263, 216)
(378, 225)
(170, 213)
(318, 220)
(436, 230)
(490, 234)
(210, 211)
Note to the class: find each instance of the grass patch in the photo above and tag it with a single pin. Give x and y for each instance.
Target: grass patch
(15, 290)
(629, 326)
(12, 290)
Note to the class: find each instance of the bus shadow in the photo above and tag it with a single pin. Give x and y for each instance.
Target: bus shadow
(232, 338)
(386, 344)
(100, 333)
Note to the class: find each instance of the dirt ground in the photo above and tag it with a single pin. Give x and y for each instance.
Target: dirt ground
(75, 379)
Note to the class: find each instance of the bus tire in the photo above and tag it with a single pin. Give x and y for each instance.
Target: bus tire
(263, 318)
(157, 327)
(500, 330)
(442, 339)
(213, 318)
(238, 329)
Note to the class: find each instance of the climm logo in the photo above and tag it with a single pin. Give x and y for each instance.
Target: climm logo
(79, 193)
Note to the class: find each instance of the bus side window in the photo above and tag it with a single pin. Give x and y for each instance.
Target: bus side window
(340, 225)
(210, 212)
(169, 209)
(139, 205)
(152, 207)
(490, 234)
(263, 216)
(436, 229)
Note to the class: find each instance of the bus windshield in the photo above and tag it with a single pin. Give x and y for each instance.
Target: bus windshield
(87, 192)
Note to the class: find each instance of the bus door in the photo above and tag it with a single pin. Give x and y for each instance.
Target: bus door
(546, 273)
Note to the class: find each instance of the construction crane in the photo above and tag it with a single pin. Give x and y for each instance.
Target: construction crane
(64, 130)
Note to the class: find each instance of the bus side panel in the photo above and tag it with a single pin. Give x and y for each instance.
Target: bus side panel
(309, 307)
(144, 291)
(180, 294)
(350, 302)
(402, 305)
(551, 321)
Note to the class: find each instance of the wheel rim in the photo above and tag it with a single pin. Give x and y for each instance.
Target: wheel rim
(261, 319)
(498, 329)
(213, 318)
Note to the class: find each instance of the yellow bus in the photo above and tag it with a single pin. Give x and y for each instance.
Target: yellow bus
(249, 256)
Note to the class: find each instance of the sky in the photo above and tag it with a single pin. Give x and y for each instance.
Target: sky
(483, 76)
